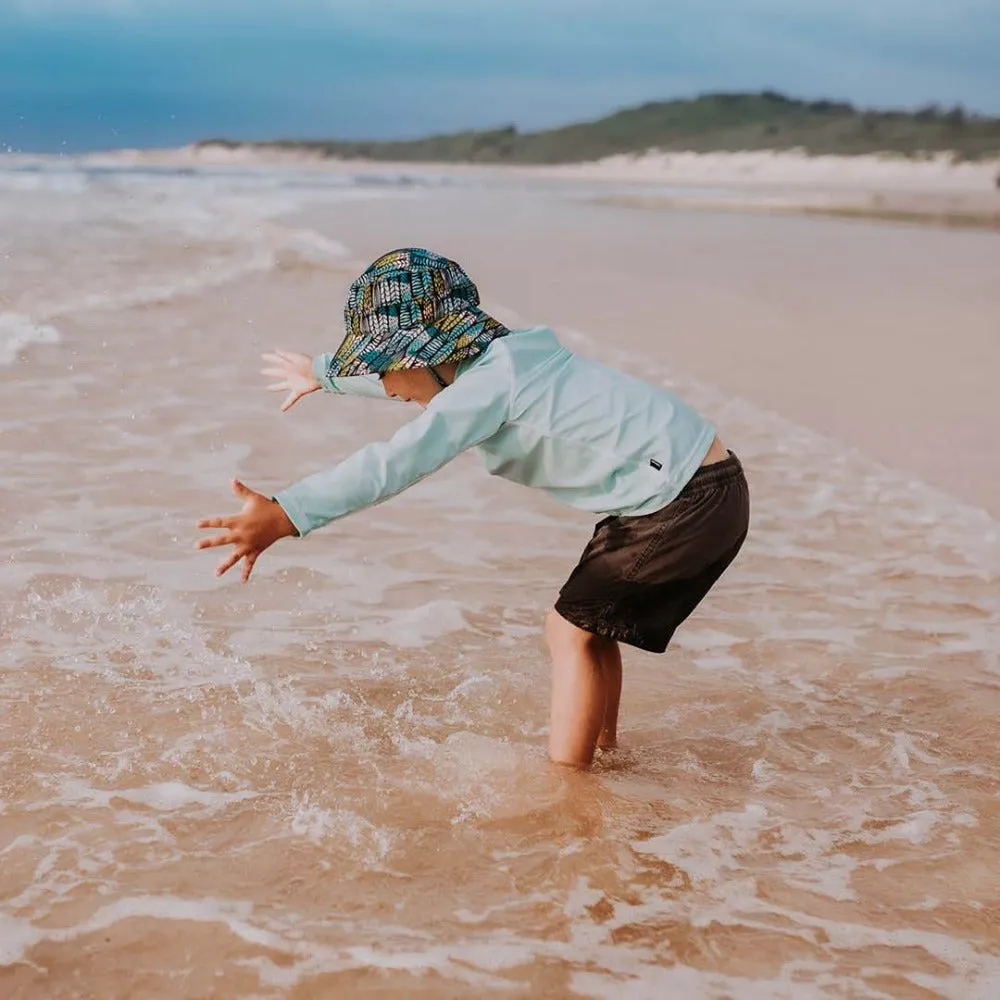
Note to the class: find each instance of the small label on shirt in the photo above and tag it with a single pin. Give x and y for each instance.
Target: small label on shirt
(656, 465)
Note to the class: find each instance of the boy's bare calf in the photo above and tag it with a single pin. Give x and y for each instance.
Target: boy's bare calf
(586, 690)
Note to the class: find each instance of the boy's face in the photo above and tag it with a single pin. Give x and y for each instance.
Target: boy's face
(416, 385)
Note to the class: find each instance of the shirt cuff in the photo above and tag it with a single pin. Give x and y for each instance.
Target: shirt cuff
(293, 513)
(320, 366)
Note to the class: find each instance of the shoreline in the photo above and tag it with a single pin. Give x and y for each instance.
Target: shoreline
(929, 191)
(753, 169)
(877, 208)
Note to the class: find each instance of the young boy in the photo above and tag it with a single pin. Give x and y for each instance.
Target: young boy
(674, 501)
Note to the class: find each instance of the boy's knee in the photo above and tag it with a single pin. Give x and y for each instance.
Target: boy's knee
(561, 634)
(558, 631)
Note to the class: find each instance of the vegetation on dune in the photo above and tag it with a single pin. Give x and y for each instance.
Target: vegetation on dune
(706, 124)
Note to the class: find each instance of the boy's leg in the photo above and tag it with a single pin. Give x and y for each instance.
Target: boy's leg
(611, 666)
(580, 690)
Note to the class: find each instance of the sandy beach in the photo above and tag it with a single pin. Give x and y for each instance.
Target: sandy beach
(332, 782)
(934, 189)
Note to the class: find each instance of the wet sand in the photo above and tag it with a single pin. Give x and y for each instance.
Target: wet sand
(332, 782)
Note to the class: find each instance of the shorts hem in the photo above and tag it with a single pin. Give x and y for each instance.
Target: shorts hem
(610, 630)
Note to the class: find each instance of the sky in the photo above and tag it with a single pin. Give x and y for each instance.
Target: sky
(102, 74)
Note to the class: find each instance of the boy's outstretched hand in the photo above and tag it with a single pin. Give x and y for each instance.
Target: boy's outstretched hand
(258, 526)
(294, 374)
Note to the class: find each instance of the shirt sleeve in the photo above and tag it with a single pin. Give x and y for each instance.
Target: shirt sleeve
(465, 414)
(350, 385)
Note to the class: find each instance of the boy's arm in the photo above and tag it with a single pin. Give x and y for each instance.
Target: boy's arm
(351, 385)
(469, 411)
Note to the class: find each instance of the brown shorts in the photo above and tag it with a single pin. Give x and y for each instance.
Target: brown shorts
(640, 577)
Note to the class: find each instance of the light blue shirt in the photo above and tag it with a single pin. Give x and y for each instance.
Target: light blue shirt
(590, 436)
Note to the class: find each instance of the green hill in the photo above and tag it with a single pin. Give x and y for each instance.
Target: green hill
(709, 123)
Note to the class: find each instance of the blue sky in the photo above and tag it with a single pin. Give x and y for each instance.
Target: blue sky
(97, 74)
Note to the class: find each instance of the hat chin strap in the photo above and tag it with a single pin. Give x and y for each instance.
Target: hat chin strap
(436, 375)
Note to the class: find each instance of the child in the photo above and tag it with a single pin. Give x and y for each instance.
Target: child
(674, 501)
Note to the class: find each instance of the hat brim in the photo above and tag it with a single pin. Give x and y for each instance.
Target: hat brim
(457, 337)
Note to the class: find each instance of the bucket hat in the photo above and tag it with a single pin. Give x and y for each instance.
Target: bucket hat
(412, 308)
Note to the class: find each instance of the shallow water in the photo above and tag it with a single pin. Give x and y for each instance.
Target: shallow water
(333, 781)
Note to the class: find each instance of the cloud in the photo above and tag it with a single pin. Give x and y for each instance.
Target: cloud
(862, 14)
(355, 68)
(52, 8)
(936, 24)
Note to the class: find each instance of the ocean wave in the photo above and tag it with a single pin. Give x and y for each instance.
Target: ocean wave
(31, 178)
(18, 332)
(226, 227)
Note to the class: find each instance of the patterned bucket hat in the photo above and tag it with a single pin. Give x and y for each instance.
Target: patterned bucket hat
(412, 309)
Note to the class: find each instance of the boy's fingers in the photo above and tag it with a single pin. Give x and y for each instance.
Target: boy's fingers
(276, 372)
(227, 564)
(277, 386)
(290, 400)
(217, 522)
(213, 543)
(248, 566)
